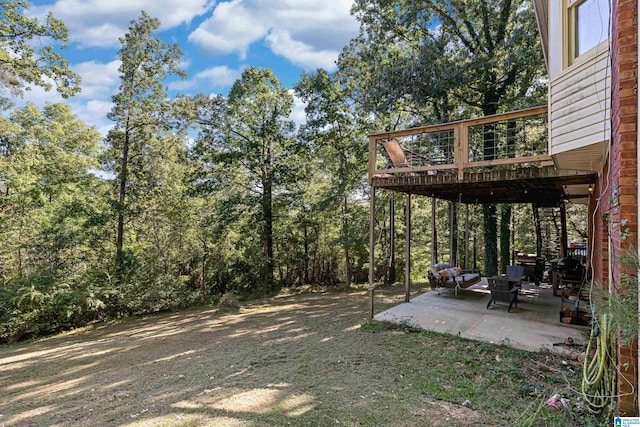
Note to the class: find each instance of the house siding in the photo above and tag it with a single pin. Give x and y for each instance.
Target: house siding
(579, 98)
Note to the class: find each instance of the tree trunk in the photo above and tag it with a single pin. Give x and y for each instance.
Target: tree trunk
(267, 232)
(204, 267)
(306, 255)
(490, 223)
(434, 233)
(121, 207)
(505, 236)
(475, 250)
(346, 240)
(490, 220)
(20, 270)
(315, 273)
(453, 233)
(536, 220)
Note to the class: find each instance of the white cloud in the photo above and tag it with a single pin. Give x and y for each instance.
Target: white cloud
(185, 63)
(309, 33)
(231, 28)
(39, 96)
(212, 77)
(99, 80)
(298, 115)
(100, 23)
(300, 53)
(94, 113)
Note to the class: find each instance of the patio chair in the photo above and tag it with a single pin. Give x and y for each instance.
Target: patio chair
(503, 290)
(516, 272)
(400, 157)
(396, 154)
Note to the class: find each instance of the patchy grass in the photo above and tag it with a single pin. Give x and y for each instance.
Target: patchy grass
(308, 359)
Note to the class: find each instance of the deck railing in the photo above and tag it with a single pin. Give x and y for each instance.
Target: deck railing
(509, 140)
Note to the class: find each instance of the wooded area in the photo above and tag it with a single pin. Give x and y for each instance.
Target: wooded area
(188, 198)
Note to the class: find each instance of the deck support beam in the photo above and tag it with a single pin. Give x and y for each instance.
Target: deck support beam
(372, 243)
(392, 239)
(407, 255)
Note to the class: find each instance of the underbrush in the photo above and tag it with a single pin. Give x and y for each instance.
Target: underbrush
(40, 306)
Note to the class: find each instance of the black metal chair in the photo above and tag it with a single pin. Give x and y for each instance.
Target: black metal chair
(503, 289)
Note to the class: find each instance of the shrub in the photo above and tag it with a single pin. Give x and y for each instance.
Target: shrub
(229, 303)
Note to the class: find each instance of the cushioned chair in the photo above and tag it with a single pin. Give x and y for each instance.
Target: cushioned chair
(443, 275)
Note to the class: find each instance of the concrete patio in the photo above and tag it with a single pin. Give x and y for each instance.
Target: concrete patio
(534, 325)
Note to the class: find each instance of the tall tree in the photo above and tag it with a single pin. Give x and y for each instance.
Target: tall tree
(28, 53)
(258, 134)
(336, 131)
(141, 106)
(45, 203)
(247, 150)
(458, 57)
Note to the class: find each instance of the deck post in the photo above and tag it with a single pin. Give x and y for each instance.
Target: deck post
(372, 157)
(392, 239)
(513, 239)
(462, 147)
(407, 256)
(372, 243)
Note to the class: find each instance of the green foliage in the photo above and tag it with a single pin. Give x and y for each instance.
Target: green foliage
(48, 192)
(441, 60)
(229, 303)
(246, 153)
(38, 306)
(28, 54)
(253, 204)
(621, 301)
(140, 113)
(335, 132)
(431, 56)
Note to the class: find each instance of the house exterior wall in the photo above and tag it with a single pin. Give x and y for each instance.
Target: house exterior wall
(624, 171)
(578, 97)
(613, 206)
(579, 113)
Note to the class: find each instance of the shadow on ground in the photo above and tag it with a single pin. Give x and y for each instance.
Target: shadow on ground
(299, 359)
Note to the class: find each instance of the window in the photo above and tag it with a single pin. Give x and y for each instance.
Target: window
(588, 25)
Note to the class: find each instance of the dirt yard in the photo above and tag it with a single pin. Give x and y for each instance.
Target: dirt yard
(290, 360)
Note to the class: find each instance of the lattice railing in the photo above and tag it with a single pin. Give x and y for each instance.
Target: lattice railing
(504, 140)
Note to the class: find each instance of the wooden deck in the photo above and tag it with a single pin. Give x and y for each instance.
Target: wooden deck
(495, 159)
(545, 186)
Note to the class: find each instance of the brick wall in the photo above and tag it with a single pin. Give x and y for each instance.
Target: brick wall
(598, 225)
(623, 212)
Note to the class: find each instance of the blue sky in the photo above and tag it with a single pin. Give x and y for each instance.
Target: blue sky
(219, 39)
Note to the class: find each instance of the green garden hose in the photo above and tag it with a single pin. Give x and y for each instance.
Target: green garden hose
(599, 370)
